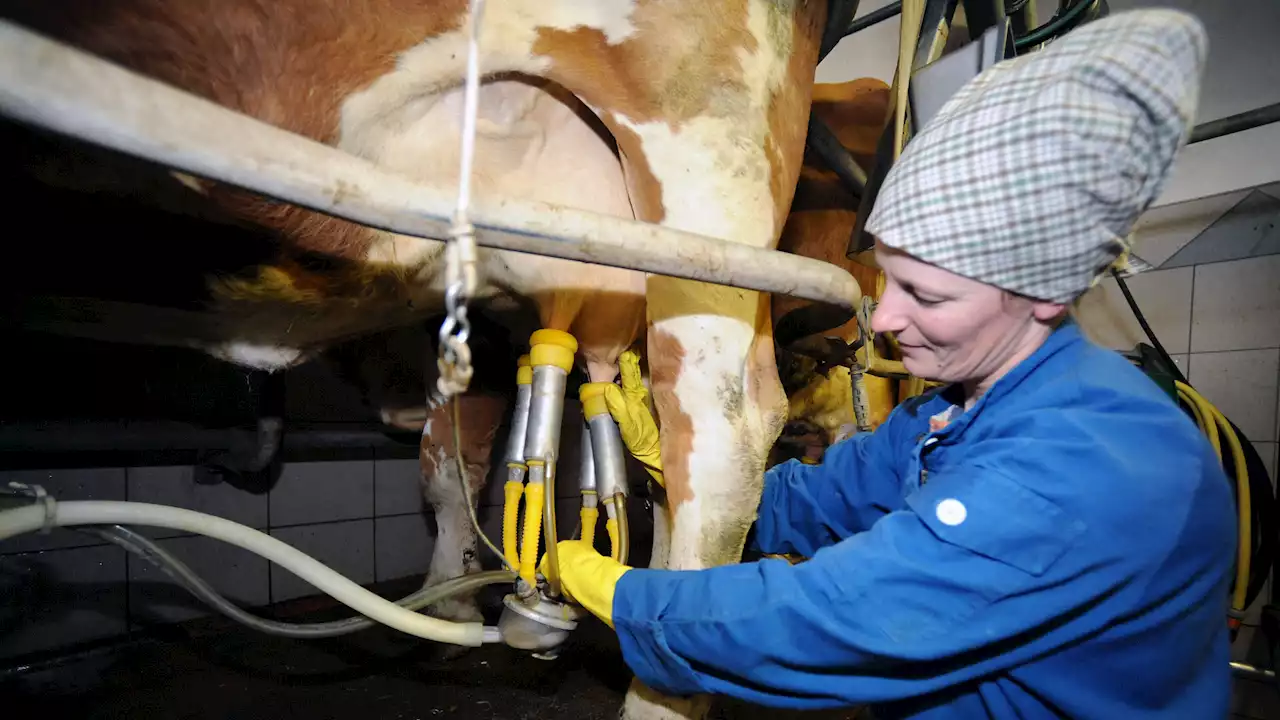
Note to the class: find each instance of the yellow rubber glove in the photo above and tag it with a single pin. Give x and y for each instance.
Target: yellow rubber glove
(629, 406)
(587, 577)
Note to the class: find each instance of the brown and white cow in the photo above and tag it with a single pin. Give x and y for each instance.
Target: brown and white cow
(688, 114)
(821, 221)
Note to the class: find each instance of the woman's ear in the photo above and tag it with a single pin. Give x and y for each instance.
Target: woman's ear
(1050, 313)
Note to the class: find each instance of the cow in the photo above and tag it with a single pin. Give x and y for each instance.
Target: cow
(689, 115)
(819, 225)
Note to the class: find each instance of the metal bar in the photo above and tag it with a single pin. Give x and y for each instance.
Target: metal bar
(63, 89)
(1248, 120)
(1249, 672)
(839, 15)
(823, 141)
(874, 17)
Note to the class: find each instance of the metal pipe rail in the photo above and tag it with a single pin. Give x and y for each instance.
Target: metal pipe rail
(61, 88)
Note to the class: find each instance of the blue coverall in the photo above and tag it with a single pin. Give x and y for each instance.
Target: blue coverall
(1062, 549)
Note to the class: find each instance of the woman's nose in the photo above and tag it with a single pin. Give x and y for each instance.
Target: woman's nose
(888, 316)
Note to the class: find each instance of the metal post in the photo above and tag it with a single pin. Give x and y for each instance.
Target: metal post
(875, 17)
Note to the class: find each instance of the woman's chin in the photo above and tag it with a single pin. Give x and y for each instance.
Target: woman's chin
(918, 366)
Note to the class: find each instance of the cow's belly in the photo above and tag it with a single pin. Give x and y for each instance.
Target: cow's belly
(531, 144)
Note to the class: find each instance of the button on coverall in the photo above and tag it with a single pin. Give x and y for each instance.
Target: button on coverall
(1062, 549)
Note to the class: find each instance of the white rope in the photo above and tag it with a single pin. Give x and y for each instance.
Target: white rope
(461, 275)
(471, 101)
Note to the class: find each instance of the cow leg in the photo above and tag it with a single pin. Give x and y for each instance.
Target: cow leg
(456, 550)
(716, 389)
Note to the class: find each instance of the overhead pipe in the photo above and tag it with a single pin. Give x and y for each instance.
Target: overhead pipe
(58, 87)
(875, 17)
(1247, 120)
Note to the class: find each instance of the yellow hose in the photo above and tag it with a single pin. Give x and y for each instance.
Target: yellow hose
(611, 527)
(1195, 410)
(512, 492)
(589, 517)
(1212, 419)
(534, 498)
(1207, 424)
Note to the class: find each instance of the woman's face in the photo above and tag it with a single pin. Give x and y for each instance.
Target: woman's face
(954, 329)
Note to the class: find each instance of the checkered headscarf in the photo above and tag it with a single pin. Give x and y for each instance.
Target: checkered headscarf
(1031, 177)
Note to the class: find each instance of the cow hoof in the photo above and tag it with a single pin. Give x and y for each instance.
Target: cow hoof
(455, 611)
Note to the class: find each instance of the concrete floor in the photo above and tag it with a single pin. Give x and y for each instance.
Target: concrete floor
(213, 668)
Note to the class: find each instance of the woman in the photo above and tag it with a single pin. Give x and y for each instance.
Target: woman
(1046, 536)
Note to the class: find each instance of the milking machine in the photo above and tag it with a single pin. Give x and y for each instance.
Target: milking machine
(535, 614)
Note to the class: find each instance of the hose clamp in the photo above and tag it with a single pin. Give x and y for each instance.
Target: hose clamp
(43, 497)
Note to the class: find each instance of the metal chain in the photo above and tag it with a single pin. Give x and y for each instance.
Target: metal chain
(461, 280)
(461, 274)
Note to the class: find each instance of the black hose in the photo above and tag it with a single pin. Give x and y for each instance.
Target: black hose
(1056, 26)
(1142, 321)
(824, 143)
(839, 15)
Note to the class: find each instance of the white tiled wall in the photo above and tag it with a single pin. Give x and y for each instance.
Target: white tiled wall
(345, 546)
(364, 518)
(319, 492)
(177, 486)
(1165, 299)
(1236, 305)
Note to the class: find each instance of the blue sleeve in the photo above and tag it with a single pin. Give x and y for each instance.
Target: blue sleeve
(807, 507)
(957, 585)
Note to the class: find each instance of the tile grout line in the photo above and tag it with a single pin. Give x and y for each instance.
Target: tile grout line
(1216, 262)
(1275, 455)
(1191, 321)
(1219, 352)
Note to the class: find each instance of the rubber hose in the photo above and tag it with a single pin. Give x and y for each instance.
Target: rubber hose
(71, 513)
(588, 518)
(624, 529)
(611, 527)
(512, 492)
(184, 576)
(534, 497)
